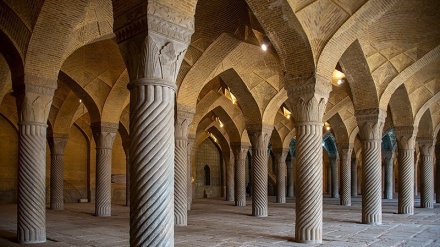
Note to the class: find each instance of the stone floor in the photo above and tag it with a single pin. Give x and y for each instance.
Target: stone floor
(214, 222)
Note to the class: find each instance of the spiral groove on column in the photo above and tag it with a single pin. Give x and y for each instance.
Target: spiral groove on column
(259, 173)
(389, 179)
(31, 208)
(427, 182)
(406, 182)
(230, 183)
(354, 174)
(127, 179)
(371, 183)
(240, 176)
(346, 177)
(103, 182)
(56, 182)
(334, 177)
(190, 143)
(180, 184)
(308, 228)
(281, 180)
(152, 171)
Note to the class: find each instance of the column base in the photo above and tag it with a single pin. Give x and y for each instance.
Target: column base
(259, 212)
(281, 200)
(427, 205)
(240, 203)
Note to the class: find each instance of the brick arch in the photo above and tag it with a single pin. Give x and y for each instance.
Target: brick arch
(275, 103)
(353, 135)
(275, 139)
(49, 40)
(117, 100)
(213, 100)
(80, 92)
(64, 117)
(13, 58)
(339, 129)
(5, 78)
(426, 129)
(348, 32)
(400, 107)
(283, 28)
(425, 108)
(362, 85)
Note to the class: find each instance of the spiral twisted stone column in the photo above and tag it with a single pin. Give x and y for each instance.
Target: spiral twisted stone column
(427, 147)
(289, 164)
(370, 123)
(334, 176)
(230, 181)
(308, 105)
(104, 135)
(354, 174)
(126, 146)
(437, 178)
(57, 143)
(31, 208)
(240, 151)
(345, 154)
(183, 120)
(388, 163)
(189, 172)
(280, 155)
(259, 137)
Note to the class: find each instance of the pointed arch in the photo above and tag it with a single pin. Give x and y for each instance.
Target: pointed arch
(400, 107)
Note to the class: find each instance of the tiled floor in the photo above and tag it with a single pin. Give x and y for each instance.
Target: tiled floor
(214, 222)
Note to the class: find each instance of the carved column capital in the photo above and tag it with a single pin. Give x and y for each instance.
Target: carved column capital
(370, 123)
(281, 153)
(104, 134)
(259, 135)
(57, 143)
(183, 120)
(34, 102)
(427, 145)
(406, 136)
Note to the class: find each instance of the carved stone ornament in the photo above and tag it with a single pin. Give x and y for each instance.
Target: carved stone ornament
(259, 135)
(183, 120)
(104, 134)
(371, 123)
(406, 136)
(427, 145)
(36, 102)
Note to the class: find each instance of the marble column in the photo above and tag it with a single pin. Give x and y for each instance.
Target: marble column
(290, 188)
(405, 137)
(354, 175)
(427, 146)
(334, 176)
(259, 136)
(153, 51)
(183, 120)
(370, 122)
(189, 172)
(126, 146)
(329, 179)
(104, 135)
(308, 109)
(388, 157)
(280, 157)
(57, 143)
(34, 105)
(230, 180)
(240, 151)
(437, 173)
(416, 167)
(345, 155)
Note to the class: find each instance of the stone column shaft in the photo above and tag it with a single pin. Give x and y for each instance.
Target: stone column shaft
(127, 179)
(427, 146)
(280, 155)
(290, 189)
(260, 140)
(329, 179)
(345, 155)
(240, 152)
(354, 174)
(334, 177)
(308, 104)
(104, 134)
(189, 172)
(183, 120)
(388, 163)
(437, 174)
(57, 143)
(230, 181)
(370, 123)
(34, 104)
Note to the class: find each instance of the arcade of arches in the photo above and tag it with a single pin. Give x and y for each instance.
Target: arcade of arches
(156, 103)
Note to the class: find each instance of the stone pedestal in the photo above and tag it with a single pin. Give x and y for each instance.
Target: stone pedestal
(370, 123)
(240, 151)
(427, 147)
(57, 143)
(259, 137)
(345, 154)
(104, 135)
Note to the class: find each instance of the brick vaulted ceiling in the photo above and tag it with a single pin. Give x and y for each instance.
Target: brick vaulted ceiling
(388, 50)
